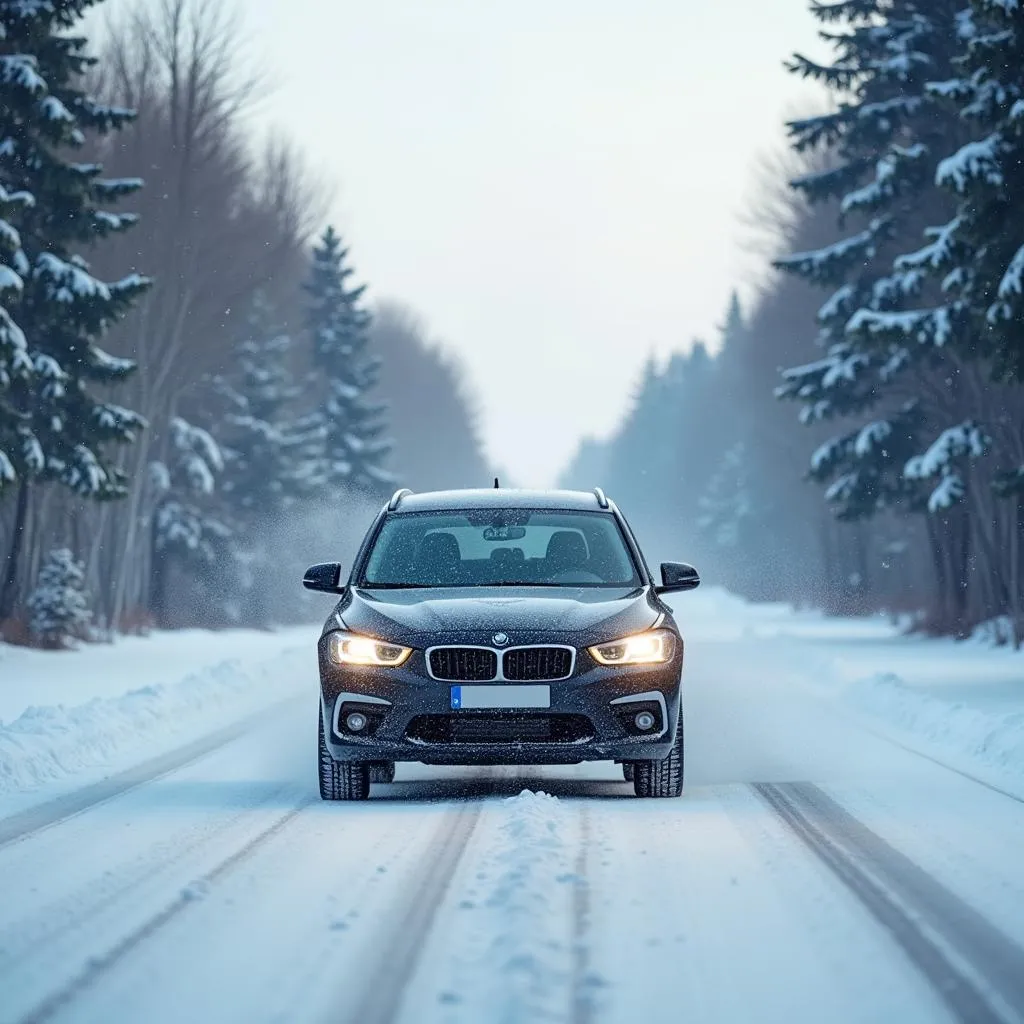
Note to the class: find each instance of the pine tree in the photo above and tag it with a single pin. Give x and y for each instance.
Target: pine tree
(709, 417)
(186, 528)
(264, 453)
(727, 505)
(261, 447)
(349, 425)
(885, 139)
(734, 335)
(725, 419)
(52, 427)
(976, 259)
(978, 255)
(62, 309)
(59, 607)
(15, 364)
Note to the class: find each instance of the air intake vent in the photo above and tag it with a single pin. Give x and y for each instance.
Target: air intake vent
(529, 663)
(500, 728)
(463, 664)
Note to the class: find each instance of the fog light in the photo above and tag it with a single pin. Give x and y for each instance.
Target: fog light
(355, 722)
(644, 721)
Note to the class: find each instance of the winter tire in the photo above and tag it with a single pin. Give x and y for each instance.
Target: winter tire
(340, 780)
(382, 771)
(627, 770)
(662, 778)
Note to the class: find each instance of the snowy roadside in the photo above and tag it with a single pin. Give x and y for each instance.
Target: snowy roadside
(69, 718)
(72, 717)
(962, 703)
(958, 733)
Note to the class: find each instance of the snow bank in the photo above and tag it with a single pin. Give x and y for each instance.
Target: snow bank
(200, 690)
(30, 677)
(997, 632)
(995, 739)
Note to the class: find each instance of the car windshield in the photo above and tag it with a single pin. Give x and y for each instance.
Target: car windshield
(504, 547)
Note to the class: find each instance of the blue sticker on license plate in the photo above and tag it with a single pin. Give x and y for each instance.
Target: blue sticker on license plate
(493, 698)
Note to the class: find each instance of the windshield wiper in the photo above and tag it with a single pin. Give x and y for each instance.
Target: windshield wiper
(479, 586)
(397, 586)
(523, 583)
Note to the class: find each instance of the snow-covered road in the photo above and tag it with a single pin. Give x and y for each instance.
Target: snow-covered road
(824, 865)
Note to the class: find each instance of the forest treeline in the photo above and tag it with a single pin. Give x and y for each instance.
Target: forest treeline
(854, 439)
(196, 394)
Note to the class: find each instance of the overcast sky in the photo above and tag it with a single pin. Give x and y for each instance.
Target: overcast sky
(554, 185)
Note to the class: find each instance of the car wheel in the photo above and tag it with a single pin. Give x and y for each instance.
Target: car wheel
(627, 771)
(382, 771)
(662, 778)
(340, 780)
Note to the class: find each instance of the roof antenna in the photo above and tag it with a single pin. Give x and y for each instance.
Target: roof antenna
(496, 484)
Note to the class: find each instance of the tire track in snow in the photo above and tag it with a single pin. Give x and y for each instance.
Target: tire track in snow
(582, 1007)
(99, 965)
(974, 968)
(28, 823)
(942, 764)
(22, 938)
(404, 936)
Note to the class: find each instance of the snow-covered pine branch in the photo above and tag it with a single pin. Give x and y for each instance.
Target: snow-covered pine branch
(938, 464)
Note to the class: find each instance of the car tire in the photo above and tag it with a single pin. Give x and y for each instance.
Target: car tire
(662, 778)
(340, 780)
(628, 770)
(382, 771)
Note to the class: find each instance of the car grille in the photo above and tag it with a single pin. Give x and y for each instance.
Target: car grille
(537, 663)
(500, 728)
(463, 664)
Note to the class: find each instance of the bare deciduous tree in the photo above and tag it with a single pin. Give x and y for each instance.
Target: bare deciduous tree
(218, 220)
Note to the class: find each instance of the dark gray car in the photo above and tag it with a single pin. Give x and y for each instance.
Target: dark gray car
(500, 627)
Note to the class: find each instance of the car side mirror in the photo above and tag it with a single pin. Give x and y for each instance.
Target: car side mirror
(678, 576)
(324, 577)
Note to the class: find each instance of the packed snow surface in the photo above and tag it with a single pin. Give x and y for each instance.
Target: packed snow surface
(101, 705)
(510, 894)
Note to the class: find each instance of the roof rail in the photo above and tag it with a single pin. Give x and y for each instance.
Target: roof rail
(602, 501)
(397, 497)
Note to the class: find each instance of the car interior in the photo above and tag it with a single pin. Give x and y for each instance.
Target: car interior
(436, 559)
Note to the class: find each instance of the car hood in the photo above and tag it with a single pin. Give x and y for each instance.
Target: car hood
(419, 618)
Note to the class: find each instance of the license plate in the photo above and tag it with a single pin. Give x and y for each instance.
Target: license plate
(471, 697)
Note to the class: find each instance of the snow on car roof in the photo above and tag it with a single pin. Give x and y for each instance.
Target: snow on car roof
(429, 501)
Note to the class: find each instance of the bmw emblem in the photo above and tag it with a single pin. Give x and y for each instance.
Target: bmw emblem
(500, 639)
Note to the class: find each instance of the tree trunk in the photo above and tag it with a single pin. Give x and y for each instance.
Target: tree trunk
(939, 611)
(10, 585)
(158, 577)
(962, 562)
(1016, 618)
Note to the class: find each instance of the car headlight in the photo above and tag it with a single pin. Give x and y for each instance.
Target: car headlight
(654, 647)
(350, 649)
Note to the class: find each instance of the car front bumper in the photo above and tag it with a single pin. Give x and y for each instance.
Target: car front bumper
(591, 716)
